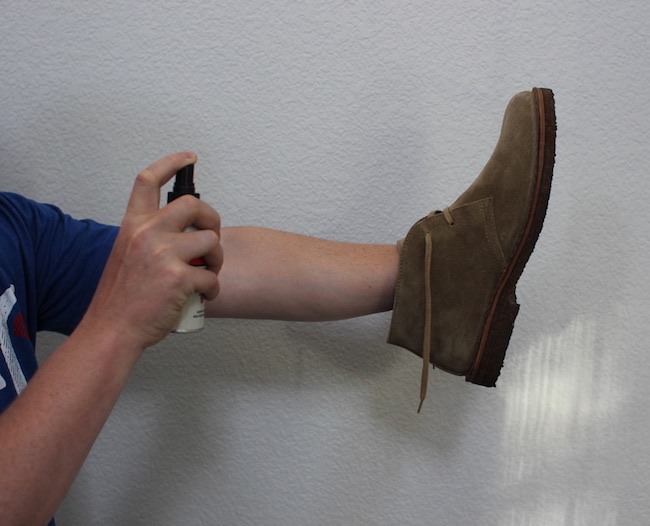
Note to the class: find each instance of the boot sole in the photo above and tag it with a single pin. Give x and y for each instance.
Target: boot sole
(504, 308)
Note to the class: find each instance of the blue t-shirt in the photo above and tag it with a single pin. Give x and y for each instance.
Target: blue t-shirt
(49, 268)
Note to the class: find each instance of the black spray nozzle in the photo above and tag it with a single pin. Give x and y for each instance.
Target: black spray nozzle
(183, 184)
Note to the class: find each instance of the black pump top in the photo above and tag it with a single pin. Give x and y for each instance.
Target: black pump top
(183, 184)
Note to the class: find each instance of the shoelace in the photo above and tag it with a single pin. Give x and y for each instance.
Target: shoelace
(428, 305)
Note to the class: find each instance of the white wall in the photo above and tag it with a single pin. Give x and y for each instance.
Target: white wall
(350, 120)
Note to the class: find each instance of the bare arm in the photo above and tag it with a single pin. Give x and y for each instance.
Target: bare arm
(46, 434)
(270, 274)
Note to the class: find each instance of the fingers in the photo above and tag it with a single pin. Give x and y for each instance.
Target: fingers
(189, 211)
(148, 276)
(203, 244)
(205, 282)
(145, 196)
(174, 218)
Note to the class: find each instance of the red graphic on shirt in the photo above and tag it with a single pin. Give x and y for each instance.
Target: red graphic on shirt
(19, 327)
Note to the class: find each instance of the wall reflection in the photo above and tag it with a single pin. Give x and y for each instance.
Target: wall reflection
(556, 412)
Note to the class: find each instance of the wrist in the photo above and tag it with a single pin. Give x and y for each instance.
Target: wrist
(101, 335)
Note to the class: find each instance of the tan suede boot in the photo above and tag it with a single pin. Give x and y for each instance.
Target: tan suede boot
(455, 300)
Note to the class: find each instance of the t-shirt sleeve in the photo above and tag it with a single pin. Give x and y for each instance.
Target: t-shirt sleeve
(69, 258)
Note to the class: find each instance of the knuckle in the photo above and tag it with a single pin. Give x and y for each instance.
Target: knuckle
(175, 276)
(145, 178)
(139, 240)
(142, 243)
(186, 205)
(214, 290)
(174, 280)
(212, 238)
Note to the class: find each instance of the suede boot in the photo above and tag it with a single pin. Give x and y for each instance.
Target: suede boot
(455, 302)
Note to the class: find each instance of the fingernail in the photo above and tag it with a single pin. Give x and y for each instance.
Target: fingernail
(190, 155)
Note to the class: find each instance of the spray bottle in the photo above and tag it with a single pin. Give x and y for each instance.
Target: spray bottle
(193, 313)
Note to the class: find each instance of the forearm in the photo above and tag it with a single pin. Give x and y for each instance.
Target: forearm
(48, 431)
(270, 274)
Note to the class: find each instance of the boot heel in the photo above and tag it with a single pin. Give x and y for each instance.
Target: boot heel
(492, 350)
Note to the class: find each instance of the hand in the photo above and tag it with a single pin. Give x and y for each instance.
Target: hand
(147, 278)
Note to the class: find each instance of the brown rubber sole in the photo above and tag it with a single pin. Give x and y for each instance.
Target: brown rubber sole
(504, 308)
